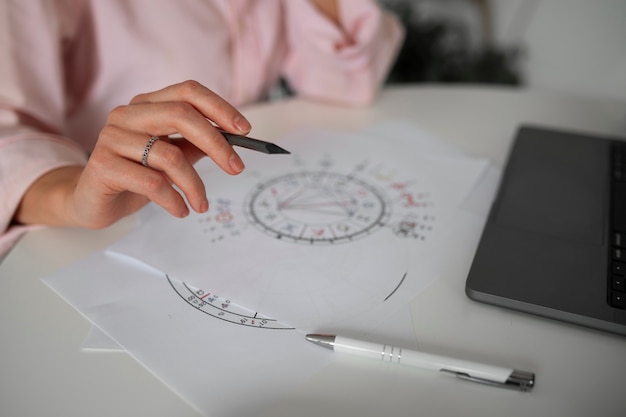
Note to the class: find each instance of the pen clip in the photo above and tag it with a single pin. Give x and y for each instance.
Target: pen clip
(519, 380)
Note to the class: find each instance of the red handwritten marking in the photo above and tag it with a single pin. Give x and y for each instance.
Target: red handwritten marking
(409, 201)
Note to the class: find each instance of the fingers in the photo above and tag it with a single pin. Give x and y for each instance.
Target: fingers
(115, 166)
(165, 118)
(169, 160)
(115, 181)
(123, 176)
(204, 100)
(184, 109)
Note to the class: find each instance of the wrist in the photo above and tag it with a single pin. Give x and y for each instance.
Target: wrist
(48, 200)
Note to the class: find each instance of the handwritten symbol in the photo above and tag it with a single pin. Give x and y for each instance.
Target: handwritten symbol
(223, 217)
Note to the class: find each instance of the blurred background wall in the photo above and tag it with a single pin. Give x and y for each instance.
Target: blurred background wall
(567, 46)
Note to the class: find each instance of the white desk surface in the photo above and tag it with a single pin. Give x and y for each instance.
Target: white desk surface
(580, 372)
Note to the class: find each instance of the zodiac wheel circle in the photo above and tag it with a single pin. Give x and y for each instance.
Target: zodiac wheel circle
(317, 207)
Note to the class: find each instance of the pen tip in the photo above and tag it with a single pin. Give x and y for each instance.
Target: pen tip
(272, 148)
(327, 341)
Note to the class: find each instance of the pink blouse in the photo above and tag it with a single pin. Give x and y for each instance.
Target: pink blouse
(65, 64)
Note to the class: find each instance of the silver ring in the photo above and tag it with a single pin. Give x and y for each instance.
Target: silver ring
(146, 150)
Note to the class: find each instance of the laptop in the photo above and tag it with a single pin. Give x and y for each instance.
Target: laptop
(554, 243)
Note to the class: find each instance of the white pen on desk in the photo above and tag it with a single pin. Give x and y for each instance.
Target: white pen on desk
(466, 370)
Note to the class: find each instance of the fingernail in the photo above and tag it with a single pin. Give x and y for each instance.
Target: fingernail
(242, 125)
(236, 163)
(184, 212)
(204, 206)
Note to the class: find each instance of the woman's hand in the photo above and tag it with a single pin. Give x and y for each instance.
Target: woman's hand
(115, 183)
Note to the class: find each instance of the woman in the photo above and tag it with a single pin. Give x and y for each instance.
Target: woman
(67, 68)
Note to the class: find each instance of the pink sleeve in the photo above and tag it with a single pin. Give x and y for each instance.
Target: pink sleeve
(30, 144)
(345, 66)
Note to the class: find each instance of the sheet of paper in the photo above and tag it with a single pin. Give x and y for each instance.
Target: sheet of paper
(347, 223)
(226, 364)
(98, 340)
(221, 367)
(229, 288)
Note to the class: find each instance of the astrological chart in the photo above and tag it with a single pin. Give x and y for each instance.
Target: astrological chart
(312, 238)
(213, 305)
(325, 206)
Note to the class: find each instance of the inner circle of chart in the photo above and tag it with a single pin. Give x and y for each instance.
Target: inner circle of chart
(317, 207)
